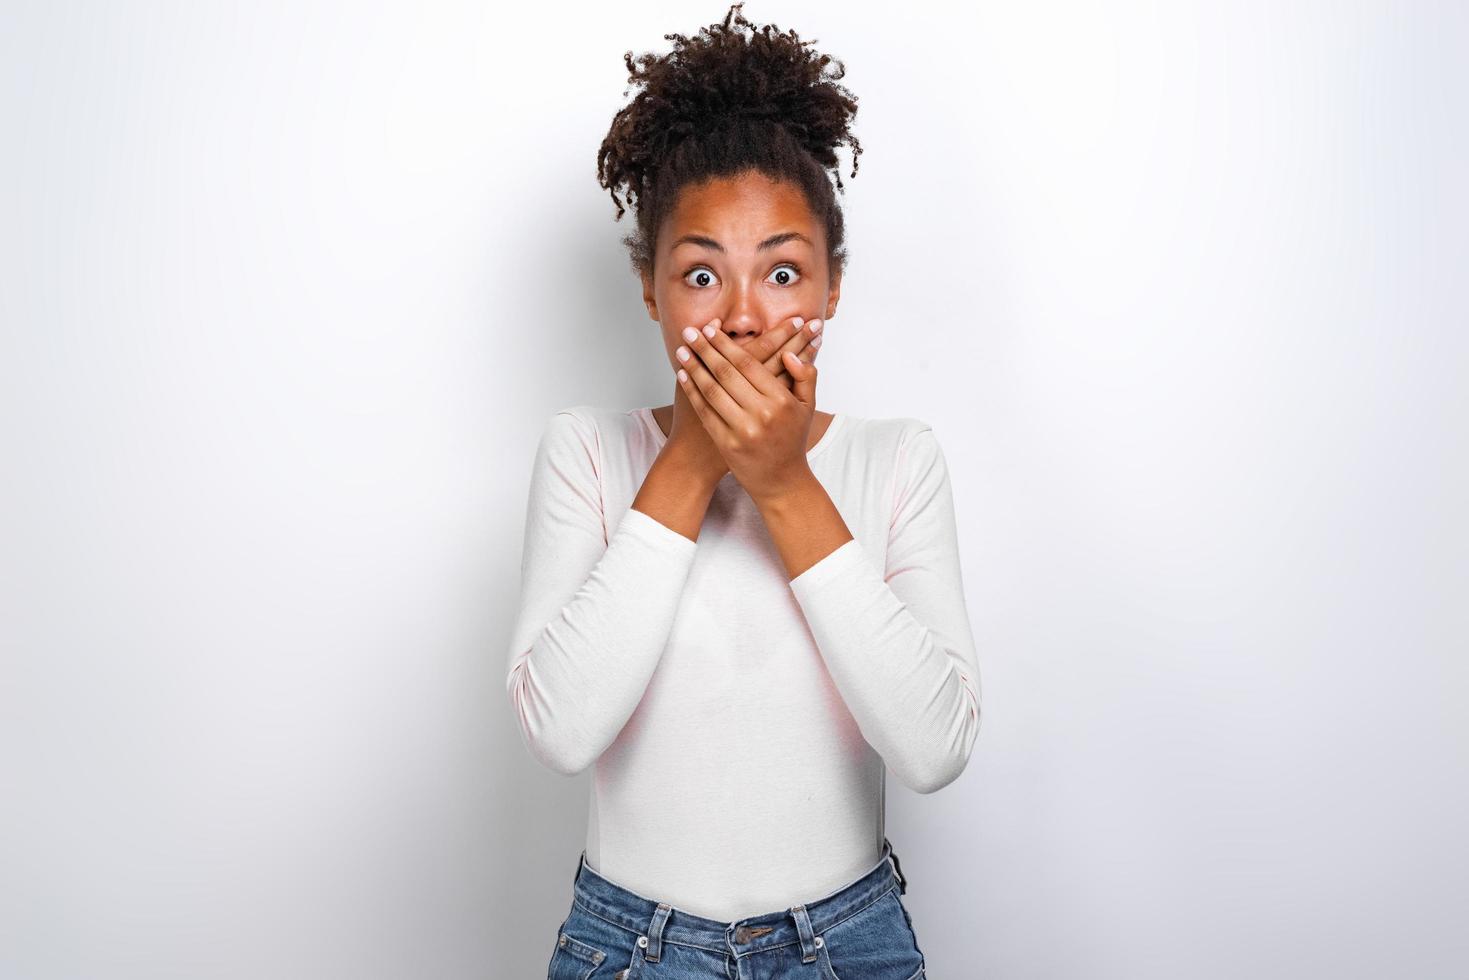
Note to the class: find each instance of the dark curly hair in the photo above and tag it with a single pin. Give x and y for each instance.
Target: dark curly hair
(722, 103)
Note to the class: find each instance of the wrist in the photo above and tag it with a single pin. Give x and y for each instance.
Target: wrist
(688, 467)
(792, 492)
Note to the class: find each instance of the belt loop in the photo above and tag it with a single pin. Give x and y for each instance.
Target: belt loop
(808, 935)
(897, 868)
(652, 943)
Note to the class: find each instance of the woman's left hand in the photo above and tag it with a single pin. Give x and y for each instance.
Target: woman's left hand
(758, 425)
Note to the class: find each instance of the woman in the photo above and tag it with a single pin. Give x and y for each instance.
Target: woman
(738, 608)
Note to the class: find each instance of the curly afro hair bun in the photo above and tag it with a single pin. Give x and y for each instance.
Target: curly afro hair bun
(724, 102)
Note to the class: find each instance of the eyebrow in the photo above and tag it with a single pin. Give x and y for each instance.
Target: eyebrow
(770, 242)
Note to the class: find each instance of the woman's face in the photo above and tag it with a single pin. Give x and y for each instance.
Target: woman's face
(709, 261)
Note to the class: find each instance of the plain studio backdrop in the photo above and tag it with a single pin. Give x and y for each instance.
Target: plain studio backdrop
(290, 290)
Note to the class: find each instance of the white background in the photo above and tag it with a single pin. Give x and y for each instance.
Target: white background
(290, 290)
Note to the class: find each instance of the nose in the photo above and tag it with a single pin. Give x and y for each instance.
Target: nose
(741, 326)
(745, 318)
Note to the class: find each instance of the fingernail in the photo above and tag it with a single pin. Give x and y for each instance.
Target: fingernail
(816, 326)
(709, 330)
(815, 341)
(797, 321)
(682, 353)
(690, 334)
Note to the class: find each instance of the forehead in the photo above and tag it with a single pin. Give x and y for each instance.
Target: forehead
(740, 211)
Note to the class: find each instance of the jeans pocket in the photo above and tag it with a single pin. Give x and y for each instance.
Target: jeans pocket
(574, 958)
(875, 943)
(588, 947)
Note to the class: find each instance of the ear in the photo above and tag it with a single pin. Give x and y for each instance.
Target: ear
(833, 294)
(648, 300)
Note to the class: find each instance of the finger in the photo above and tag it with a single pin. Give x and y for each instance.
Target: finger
(795, 343)
(807, 353)
(767, 347)
(703, 380)
(732, 366)
(805, 374)
(711, 420)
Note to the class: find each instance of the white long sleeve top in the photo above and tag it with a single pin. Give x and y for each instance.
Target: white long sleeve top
(738, 722)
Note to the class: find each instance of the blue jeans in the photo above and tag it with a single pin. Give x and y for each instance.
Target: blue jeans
(862, 931)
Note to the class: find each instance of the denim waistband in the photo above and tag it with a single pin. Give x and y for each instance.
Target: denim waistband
(657, 922)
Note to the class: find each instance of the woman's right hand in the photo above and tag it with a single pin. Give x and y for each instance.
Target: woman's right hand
(689, 437)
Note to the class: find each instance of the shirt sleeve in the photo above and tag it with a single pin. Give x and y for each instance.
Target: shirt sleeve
(595, 611)
(898, 642)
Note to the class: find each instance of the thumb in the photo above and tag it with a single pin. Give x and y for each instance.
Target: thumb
(804, 375)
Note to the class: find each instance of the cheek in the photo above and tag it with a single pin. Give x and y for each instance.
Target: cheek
(672, 342)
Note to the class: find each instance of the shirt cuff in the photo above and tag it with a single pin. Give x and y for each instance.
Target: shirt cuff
(847, 555)
(655, 533)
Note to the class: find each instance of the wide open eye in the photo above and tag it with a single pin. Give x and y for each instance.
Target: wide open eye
(700, 271)
(787, 281)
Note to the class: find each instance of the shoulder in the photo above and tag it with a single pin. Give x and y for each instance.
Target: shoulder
(912, 449)
(592, 429)
(589, 422)
(890, 437)
(572, 435)
(568, 427)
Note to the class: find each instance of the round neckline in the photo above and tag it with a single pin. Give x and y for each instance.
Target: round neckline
(838, 419)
